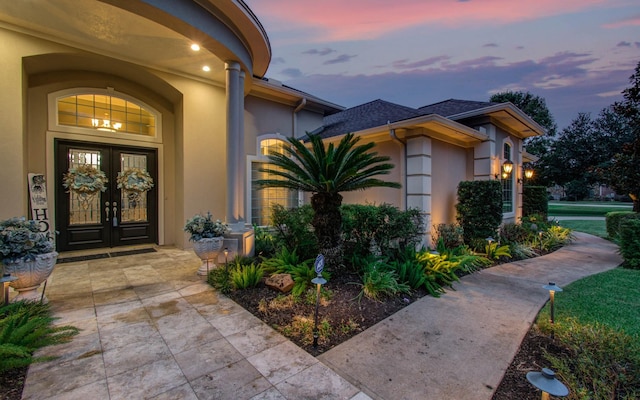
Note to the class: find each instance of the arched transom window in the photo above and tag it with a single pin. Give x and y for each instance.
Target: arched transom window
(106, 112)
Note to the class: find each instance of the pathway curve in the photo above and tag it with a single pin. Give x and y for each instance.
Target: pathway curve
(459, 346)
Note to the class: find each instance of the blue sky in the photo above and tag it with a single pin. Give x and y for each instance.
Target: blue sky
(577, 54)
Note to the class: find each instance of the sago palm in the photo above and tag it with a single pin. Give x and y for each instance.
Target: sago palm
(325, 171)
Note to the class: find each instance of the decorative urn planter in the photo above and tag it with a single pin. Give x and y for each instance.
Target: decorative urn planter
(30, 273)
(207, 249)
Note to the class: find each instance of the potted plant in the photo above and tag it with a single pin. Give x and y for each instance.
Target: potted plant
(27, 254)
(207, 236)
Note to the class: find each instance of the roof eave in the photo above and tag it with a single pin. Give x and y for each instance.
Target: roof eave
(514, 113)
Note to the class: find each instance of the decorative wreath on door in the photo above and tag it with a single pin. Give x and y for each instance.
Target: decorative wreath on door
(85, 181)
(134, 182)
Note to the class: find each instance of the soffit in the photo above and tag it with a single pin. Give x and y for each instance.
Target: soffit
(112, 31)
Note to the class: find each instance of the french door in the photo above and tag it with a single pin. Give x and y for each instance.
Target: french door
(109, 218)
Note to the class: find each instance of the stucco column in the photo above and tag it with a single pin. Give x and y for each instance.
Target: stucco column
(484, 156)
(419, 180)
(235, 145)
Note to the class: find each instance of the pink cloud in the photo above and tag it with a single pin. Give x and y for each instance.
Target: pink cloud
(368, 19)
(632, 21)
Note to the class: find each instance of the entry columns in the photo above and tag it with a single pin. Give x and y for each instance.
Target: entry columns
(236, 166)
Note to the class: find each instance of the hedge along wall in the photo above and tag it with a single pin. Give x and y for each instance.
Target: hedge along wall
(613, 220)
(479, 209)
(535, 201)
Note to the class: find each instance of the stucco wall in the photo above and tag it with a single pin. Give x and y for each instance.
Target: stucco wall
(449, 168)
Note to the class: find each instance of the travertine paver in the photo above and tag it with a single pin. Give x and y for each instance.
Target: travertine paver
(152, 329)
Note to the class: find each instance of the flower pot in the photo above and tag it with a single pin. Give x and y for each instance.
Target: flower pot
(207, 249)
(30, 274)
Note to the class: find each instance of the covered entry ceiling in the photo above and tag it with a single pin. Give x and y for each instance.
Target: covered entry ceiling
(107, 30)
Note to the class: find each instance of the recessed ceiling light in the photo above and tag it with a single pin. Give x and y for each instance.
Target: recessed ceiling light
(206, 68)
(195, 47)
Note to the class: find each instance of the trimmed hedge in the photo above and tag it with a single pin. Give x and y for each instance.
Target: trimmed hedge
(613, 220)
(535, 201)
(630, 243)
(479, 209)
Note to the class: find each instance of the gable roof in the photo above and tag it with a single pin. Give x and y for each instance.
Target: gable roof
(364, 116)
(451, 107)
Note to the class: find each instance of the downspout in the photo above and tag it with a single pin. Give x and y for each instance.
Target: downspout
(296, 110)
(403, 145)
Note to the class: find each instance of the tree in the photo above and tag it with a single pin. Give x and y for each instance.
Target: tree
(325, 172)
(624, 173)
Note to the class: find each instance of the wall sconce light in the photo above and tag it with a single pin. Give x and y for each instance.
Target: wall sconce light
(546, 381)
(528, 174)
(507, 167)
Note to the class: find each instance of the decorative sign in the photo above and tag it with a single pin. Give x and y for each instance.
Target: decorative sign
(38, 194)
(319, 264)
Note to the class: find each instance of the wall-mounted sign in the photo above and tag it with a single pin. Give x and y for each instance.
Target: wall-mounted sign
(38, 196)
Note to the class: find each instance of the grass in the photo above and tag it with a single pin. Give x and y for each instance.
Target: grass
(586, 208)
(611, 298)
(596, 228)
(598, 324)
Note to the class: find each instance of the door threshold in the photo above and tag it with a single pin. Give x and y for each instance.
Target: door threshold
(94, 254)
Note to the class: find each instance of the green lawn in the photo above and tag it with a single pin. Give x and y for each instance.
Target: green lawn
(611, 298)
(596, 228)
(586, 208)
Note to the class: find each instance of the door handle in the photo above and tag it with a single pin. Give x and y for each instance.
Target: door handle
(106, 210)
(115, 214)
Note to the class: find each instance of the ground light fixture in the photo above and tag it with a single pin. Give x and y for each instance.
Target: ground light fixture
(318, 281)
(6, 279)
(552, 288)
(547, 382)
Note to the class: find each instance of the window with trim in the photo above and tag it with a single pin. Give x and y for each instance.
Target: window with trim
(262, 200)
(107, 113)
(507, 182)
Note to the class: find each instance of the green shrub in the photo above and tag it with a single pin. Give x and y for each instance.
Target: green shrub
(522, 251)
(26, 327)
(555, 237)
(292, 229)
(288, 262)
(602, 363)
(630, 243)
(613, 220)
(479, 209)
(514, 233)
(220, 278)
(535, 201)
(246, 276)
(379, 280)
(494, 251)
(379, 228)
(265, 241)
(451, 235)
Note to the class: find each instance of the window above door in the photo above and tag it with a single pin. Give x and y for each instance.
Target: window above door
(103, 112)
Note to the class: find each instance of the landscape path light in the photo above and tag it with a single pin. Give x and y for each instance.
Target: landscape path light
(552, 288)
(319, 281)
(547, 382)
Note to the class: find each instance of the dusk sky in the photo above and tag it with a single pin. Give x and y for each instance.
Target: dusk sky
(577, 54)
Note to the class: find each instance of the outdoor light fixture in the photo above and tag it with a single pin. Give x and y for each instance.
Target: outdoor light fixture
(490, 240)
(547, 382)
(319, 281)
(528, 174)
(6, 279)
(507, 167)
(195, 47)
(552, 288)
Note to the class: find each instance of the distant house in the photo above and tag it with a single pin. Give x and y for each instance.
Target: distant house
(121, 86)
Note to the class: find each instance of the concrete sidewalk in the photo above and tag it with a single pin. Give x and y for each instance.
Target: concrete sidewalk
(152, 330)
(459, 346)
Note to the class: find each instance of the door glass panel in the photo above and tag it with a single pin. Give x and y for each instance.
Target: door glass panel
(133, 203)
(84, 208)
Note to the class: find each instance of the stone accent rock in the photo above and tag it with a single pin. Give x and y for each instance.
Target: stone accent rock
(281, 282)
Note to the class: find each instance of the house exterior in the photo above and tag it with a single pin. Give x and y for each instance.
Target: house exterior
(120, 88)
(116, 85)
(437, 146)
